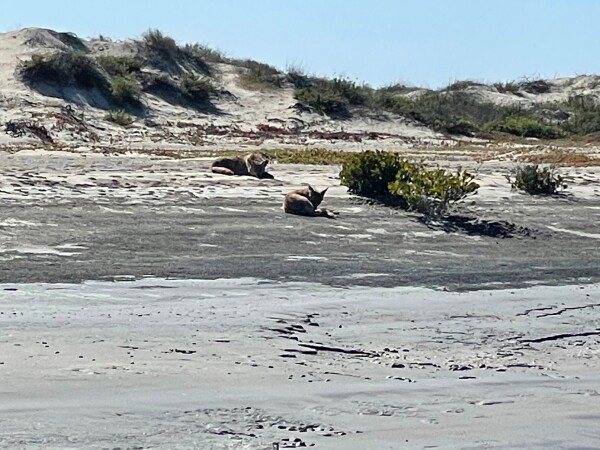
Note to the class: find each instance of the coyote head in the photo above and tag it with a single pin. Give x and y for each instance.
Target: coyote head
(315, 196)
(257, 164)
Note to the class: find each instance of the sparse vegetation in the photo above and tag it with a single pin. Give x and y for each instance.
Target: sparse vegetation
(392, 179)
(536, 180)
(462, 85)
(159, 43)
(255, 75)
(203, 53)
(509, 87)
(120, 117)
(309, 156)
(200, 56)
(180, 75)
(561, 158)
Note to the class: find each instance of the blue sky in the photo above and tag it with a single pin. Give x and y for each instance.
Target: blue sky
(422, 42)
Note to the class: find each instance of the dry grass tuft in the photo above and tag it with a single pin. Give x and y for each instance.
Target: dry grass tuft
(561, 158)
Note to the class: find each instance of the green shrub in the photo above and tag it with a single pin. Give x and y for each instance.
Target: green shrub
(200, 56)
(462, 85)
(330, 96)
(355, 94)
(386, 176)
(64, 69)
(583, 112)
(393, 102)
(298, 77)
(432, 191)
(255, 75)
(535, 180)
(454, 112)
(157, 42)
(582, 123)
(196, 89)
(326, 102)
(119, 117)
(120, 65)
(397, 88)
(370, 173)
(525, 126)
(203, 53)
(125, 90)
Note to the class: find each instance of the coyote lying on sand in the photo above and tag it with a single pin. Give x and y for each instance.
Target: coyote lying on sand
(305, 201)
(252, 165)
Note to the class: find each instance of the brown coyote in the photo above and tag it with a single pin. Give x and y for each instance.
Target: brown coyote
(305, 201)
(252, 165)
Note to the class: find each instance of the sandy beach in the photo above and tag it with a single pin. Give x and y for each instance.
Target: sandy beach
(248, 363)
(147, 303)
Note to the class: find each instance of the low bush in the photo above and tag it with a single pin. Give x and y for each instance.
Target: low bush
(203, 54)
(255, 75)
(63, 69)
(535, 86)
(370, 173)
(120, 117)
(159, 43)
(462, 85)
(125, 90)
(331, 97)
(200, 56)
(525, 126)
(509, 87)
(583, 123)
(432, 191)
(453, 112)
(325, 102)
(196, 89)
(120, 65)
(583, 112)
(387, 177)
(536, 180)
(398, 88)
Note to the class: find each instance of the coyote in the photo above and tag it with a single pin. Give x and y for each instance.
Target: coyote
(305, 201)
(252, 165)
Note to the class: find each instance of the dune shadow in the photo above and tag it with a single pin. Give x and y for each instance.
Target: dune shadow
(170, 94)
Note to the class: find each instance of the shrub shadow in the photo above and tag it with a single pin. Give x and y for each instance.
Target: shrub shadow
(474, 226)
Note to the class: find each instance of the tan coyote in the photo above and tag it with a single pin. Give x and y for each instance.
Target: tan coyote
(252, 165)
(305, 202)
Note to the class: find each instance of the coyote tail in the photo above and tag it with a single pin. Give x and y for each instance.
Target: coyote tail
(324, 212)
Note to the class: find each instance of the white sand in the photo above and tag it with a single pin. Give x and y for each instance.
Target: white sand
(161, 363)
